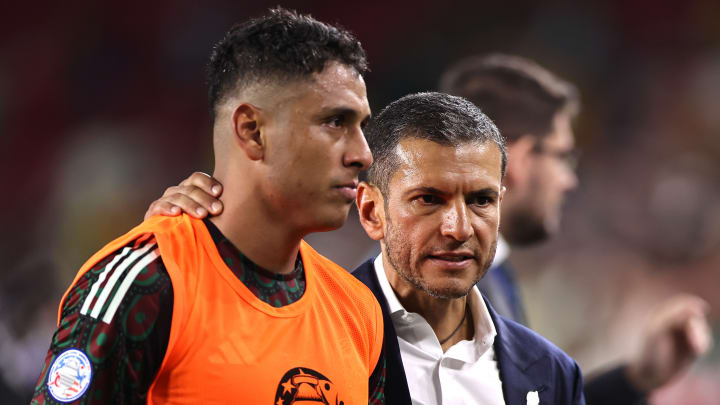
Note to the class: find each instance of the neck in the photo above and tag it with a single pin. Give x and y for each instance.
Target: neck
(263, 238)
(443, 314)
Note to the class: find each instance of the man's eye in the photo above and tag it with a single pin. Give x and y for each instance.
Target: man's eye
(429, 199)
(336, 121)
(481, 201)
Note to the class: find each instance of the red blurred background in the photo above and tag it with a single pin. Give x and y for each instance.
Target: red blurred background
(103, 105)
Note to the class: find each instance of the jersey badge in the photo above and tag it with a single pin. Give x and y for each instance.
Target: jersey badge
(69, 376)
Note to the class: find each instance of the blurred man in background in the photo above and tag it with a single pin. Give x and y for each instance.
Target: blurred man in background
(534, 111)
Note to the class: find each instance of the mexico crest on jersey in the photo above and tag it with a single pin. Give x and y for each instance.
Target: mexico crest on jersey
(69, 375)
(307, 387)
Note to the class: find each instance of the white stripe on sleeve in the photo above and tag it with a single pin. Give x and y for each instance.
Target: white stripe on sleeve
(125, 285)
(103, 275)
(115, 276)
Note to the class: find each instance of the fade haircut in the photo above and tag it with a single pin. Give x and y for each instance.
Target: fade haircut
(438, 117)
(281, 45)
(521, 97)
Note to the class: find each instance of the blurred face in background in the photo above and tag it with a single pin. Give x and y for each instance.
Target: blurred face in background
(542, 170)
(441, 215)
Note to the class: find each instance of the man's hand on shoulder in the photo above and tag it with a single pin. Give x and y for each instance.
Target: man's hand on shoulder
(196, 196)
(677, 334)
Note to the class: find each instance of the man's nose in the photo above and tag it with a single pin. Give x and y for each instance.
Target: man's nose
(456, 222)
(358, 152)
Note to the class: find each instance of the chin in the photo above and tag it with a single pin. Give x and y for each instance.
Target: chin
(448, 288)
(331, 222)
(448, 292)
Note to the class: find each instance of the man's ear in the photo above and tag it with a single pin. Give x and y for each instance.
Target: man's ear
(371, 210)
(247, 123)
(519, 160)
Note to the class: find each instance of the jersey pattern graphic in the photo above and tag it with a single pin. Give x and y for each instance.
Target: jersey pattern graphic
(109, 317)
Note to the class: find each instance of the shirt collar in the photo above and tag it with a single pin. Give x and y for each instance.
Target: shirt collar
(485, 331)
(394, 304)
(502, 252)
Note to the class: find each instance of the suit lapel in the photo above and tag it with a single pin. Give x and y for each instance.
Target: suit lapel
(521, 370)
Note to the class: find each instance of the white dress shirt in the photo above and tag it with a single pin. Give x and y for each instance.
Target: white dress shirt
(466, 374)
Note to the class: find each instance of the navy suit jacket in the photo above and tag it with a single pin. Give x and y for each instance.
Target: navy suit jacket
(527, 362)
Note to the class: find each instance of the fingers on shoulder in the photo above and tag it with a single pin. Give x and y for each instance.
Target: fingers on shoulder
(205, 182)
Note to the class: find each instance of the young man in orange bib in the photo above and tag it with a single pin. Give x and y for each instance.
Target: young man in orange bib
(237, 308)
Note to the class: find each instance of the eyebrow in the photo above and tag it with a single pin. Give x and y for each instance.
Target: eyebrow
(347, 111)
(485, 192)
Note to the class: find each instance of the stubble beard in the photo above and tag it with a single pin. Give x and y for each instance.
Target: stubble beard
(395, 244)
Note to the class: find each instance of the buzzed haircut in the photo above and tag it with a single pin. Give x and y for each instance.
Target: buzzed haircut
(281, 45)
(437, 117)
(520, 96)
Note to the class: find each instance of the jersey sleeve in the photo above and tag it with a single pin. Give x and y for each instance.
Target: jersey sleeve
(113, 331)
(376, 385)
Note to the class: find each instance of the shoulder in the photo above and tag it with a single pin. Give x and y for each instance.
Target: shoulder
(527, 347)
(145, 230)
(99, 292)
(350, 296)
(347, 291)
(366, 273)
(335, 276)
(115, 313)
(160, 226)
(525, 355)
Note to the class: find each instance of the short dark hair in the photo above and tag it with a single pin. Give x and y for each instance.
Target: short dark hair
(281, 45)
(437, 117)
(521, 97)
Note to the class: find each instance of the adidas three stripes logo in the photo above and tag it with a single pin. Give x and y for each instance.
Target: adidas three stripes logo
(123, 269)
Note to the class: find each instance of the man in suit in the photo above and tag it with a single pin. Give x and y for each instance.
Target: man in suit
(432, 199)
(533, 110)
